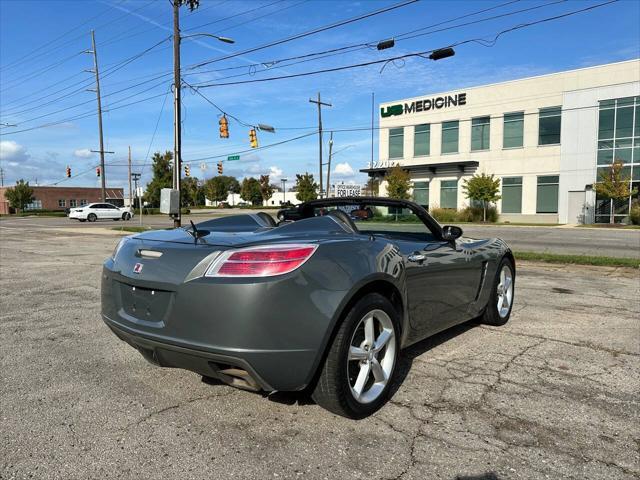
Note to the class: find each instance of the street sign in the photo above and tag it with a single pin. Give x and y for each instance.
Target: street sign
(203, 166)
(231, 158)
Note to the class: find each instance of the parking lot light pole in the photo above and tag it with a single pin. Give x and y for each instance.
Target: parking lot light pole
(177, 121)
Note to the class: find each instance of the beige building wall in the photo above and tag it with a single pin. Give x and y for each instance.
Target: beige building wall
(528, 95)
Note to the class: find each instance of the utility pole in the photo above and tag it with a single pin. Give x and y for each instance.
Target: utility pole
(329, 165)
(130, 192)
(373, 96)
(177, 121)
(136, 177)
(284, 190)
(93, 50)
(1, 177)
(320, 104)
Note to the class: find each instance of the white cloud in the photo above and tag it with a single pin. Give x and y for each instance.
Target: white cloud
(11, 151)
(343, 170)
(83, 153)
(275, 173)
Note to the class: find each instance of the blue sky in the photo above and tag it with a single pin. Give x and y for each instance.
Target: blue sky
(42, 75)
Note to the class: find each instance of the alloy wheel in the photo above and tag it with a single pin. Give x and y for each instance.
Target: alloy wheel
(372, 355)
(504, 291)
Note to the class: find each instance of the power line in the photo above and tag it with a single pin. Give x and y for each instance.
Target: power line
(481, 41)
(308, 33)
(269, 65)
(85, 83)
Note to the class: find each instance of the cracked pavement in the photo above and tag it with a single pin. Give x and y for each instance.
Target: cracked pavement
(553, 394)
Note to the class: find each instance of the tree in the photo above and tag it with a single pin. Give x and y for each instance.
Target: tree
(192, 193)
(266, 189)
(20, 195)
(306, 188)
(250, 191)
(483, 188)
(217, 188)
(614, 185)
(372, 187)
(162, 177)
(398, 183)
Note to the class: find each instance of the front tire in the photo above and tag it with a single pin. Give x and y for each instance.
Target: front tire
(360, 365)
(498, 310)
(92, 217)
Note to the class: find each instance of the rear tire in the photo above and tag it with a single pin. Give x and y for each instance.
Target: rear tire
(498, 309)
(360, 365)
(92, 217)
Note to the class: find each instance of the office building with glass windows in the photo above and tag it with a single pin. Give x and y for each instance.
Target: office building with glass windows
(548, 138)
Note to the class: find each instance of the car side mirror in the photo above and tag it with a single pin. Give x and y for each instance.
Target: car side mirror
(451, 233)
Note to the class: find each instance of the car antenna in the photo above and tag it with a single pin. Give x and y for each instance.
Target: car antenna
(195, 233)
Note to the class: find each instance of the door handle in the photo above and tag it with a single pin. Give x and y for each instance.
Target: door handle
(417, 257)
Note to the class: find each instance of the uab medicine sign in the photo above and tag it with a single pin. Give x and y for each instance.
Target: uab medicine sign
(435, 103)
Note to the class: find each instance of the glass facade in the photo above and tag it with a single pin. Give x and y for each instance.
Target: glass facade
(421, 140)
(618, 140)
(513, 133)
(549, 122)
(421, 193)
(450, 135)
(396, 142)
(512, 195)
(449, 193)
(480, 131)
(547, 195)
(35, 205)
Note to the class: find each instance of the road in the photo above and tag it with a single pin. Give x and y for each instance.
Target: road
(565, 240)
(553, 394)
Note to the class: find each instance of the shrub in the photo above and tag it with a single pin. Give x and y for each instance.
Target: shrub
(475, 214)
(444, 215)
(634, 213)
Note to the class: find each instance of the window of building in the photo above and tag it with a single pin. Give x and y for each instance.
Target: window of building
(73, 202)
(62, 203)
(549, 122)
(421, 140)
(35, 205)
(512, 195)
(421, 193)
(618, 140)
(83, 202)
(450, 134)
(396, 142)
(513, 132)
(480, 133)
(449, 193)
(547, 198)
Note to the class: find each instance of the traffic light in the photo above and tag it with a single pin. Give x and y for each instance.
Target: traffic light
(224, 127)
(97, 171)
(187, 171)
(68, 171)
(220, 169)
(253, 138)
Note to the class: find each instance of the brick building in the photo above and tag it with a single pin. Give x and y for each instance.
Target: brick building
(61, 198)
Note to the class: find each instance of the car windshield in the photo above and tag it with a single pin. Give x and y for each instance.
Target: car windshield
(382, 220)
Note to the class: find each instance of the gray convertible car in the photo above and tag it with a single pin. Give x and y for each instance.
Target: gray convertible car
(323, 299)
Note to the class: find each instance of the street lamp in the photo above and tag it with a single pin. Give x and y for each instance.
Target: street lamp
(222, 39)
(284, 189)
(177, 120)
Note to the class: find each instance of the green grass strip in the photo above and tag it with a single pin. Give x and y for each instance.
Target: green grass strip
(132, 229)
(578, 259)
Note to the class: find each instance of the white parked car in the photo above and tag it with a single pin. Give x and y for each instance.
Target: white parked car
(101, 211)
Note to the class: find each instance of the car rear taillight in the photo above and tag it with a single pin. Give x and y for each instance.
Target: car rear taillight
(262, 261)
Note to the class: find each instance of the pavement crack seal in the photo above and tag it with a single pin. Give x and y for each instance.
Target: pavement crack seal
(597, 348)
(178, 405)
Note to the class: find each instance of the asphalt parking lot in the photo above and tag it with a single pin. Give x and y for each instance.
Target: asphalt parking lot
(554, 394)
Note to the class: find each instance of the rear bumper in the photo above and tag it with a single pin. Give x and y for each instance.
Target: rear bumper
(284, 370)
